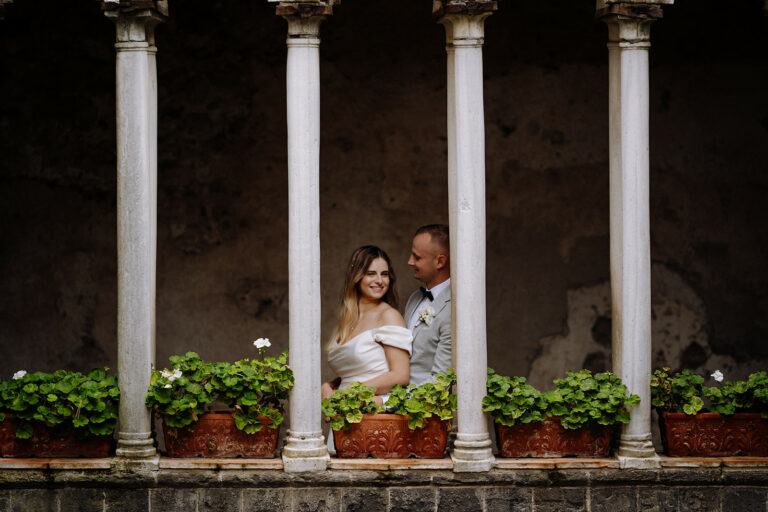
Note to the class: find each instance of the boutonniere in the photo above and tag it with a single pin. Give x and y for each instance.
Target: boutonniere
(426, 315)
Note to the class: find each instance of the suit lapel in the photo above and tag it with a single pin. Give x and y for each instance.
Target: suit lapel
(409, 307)
(442, 301)
(438, 305)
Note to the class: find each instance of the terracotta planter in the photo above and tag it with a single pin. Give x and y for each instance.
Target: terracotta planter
(549, 439)
(429, 441)
(45, 443)
(215, 435)
(713, 435)
(387, 436)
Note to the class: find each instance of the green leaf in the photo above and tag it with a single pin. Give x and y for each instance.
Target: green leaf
(354, 417)
(24, 430)
(79, 421)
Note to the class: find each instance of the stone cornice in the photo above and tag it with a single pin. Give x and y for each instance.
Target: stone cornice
(305, 8)
(644, 9)
(129, 6)
(469, 7)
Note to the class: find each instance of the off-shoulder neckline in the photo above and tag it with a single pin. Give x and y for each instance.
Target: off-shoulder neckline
(369, 330)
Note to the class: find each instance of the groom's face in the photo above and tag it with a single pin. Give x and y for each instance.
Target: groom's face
(423, 258)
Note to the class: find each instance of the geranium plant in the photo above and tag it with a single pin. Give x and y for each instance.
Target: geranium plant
(67, 402)
(589, 400)
(579, 400)
(684, 391)
(511, 400)
(425, 400)
(253, 388)
(347, 406)
(680, 392)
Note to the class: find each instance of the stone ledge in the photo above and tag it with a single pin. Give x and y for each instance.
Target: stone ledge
(390, 464)
(225, 464)
(384, 464)
(564, 463)
(51, 463)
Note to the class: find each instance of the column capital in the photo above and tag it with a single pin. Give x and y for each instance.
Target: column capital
(627, 31)
(303, 31)
(305, 9)
(135, 29)
(464, 29)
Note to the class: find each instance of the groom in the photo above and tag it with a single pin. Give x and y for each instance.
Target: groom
(428, 310)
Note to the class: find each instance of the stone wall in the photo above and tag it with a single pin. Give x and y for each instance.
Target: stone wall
(684, 490)
(222, 244)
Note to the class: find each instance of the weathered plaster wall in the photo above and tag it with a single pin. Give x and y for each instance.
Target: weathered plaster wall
(222, 212)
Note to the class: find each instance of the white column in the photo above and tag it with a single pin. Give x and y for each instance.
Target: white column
(466, 190)
(305, 448)
(152, 70)
(629, 40)
(136, 226)
(451, 132)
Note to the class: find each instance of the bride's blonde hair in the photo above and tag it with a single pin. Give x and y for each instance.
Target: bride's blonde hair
(348, 309)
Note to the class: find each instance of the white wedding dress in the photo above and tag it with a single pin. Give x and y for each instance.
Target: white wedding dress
(362, 357)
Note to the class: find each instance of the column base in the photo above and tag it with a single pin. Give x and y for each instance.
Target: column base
(305, 464)
(135, 465)
(472, 453)
(305, 452)
(637, 452)
(135, 445)
(653, 462)
(636, 446)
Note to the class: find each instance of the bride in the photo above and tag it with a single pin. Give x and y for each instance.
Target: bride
(370, 343)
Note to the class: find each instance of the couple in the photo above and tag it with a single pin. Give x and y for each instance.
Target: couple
(372, 343)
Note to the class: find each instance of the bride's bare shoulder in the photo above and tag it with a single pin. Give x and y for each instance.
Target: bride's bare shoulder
(391, 316)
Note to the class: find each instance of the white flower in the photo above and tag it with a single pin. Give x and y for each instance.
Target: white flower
(171, 376)
(19, 374)
(426, 315)
(718, 376)
(167, 386)
(261, 343)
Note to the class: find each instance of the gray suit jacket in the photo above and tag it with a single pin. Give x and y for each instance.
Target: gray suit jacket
(431, 352)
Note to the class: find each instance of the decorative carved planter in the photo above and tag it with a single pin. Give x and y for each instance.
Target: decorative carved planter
(429, 441)
(714, 435)
(45, 443)
(215, 435)
(387, 436)
(549, 439)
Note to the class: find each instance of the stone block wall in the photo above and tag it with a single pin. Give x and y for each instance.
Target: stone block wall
(597, 490)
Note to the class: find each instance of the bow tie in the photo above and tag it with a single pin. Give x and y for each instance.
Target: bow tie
(426, 293)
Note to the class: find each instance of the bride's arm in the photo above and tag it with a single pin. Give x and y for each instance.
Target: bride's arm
(399, 360)
(399, 371)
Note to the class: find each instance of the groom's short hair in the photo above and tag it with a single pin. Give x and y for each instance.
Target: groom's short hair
(439, 234)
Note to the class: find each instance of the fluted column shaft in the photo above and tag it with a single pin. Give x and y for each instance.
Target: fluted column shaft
(466, 190)
(630, 259)
(305, 448)
(136, 225)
